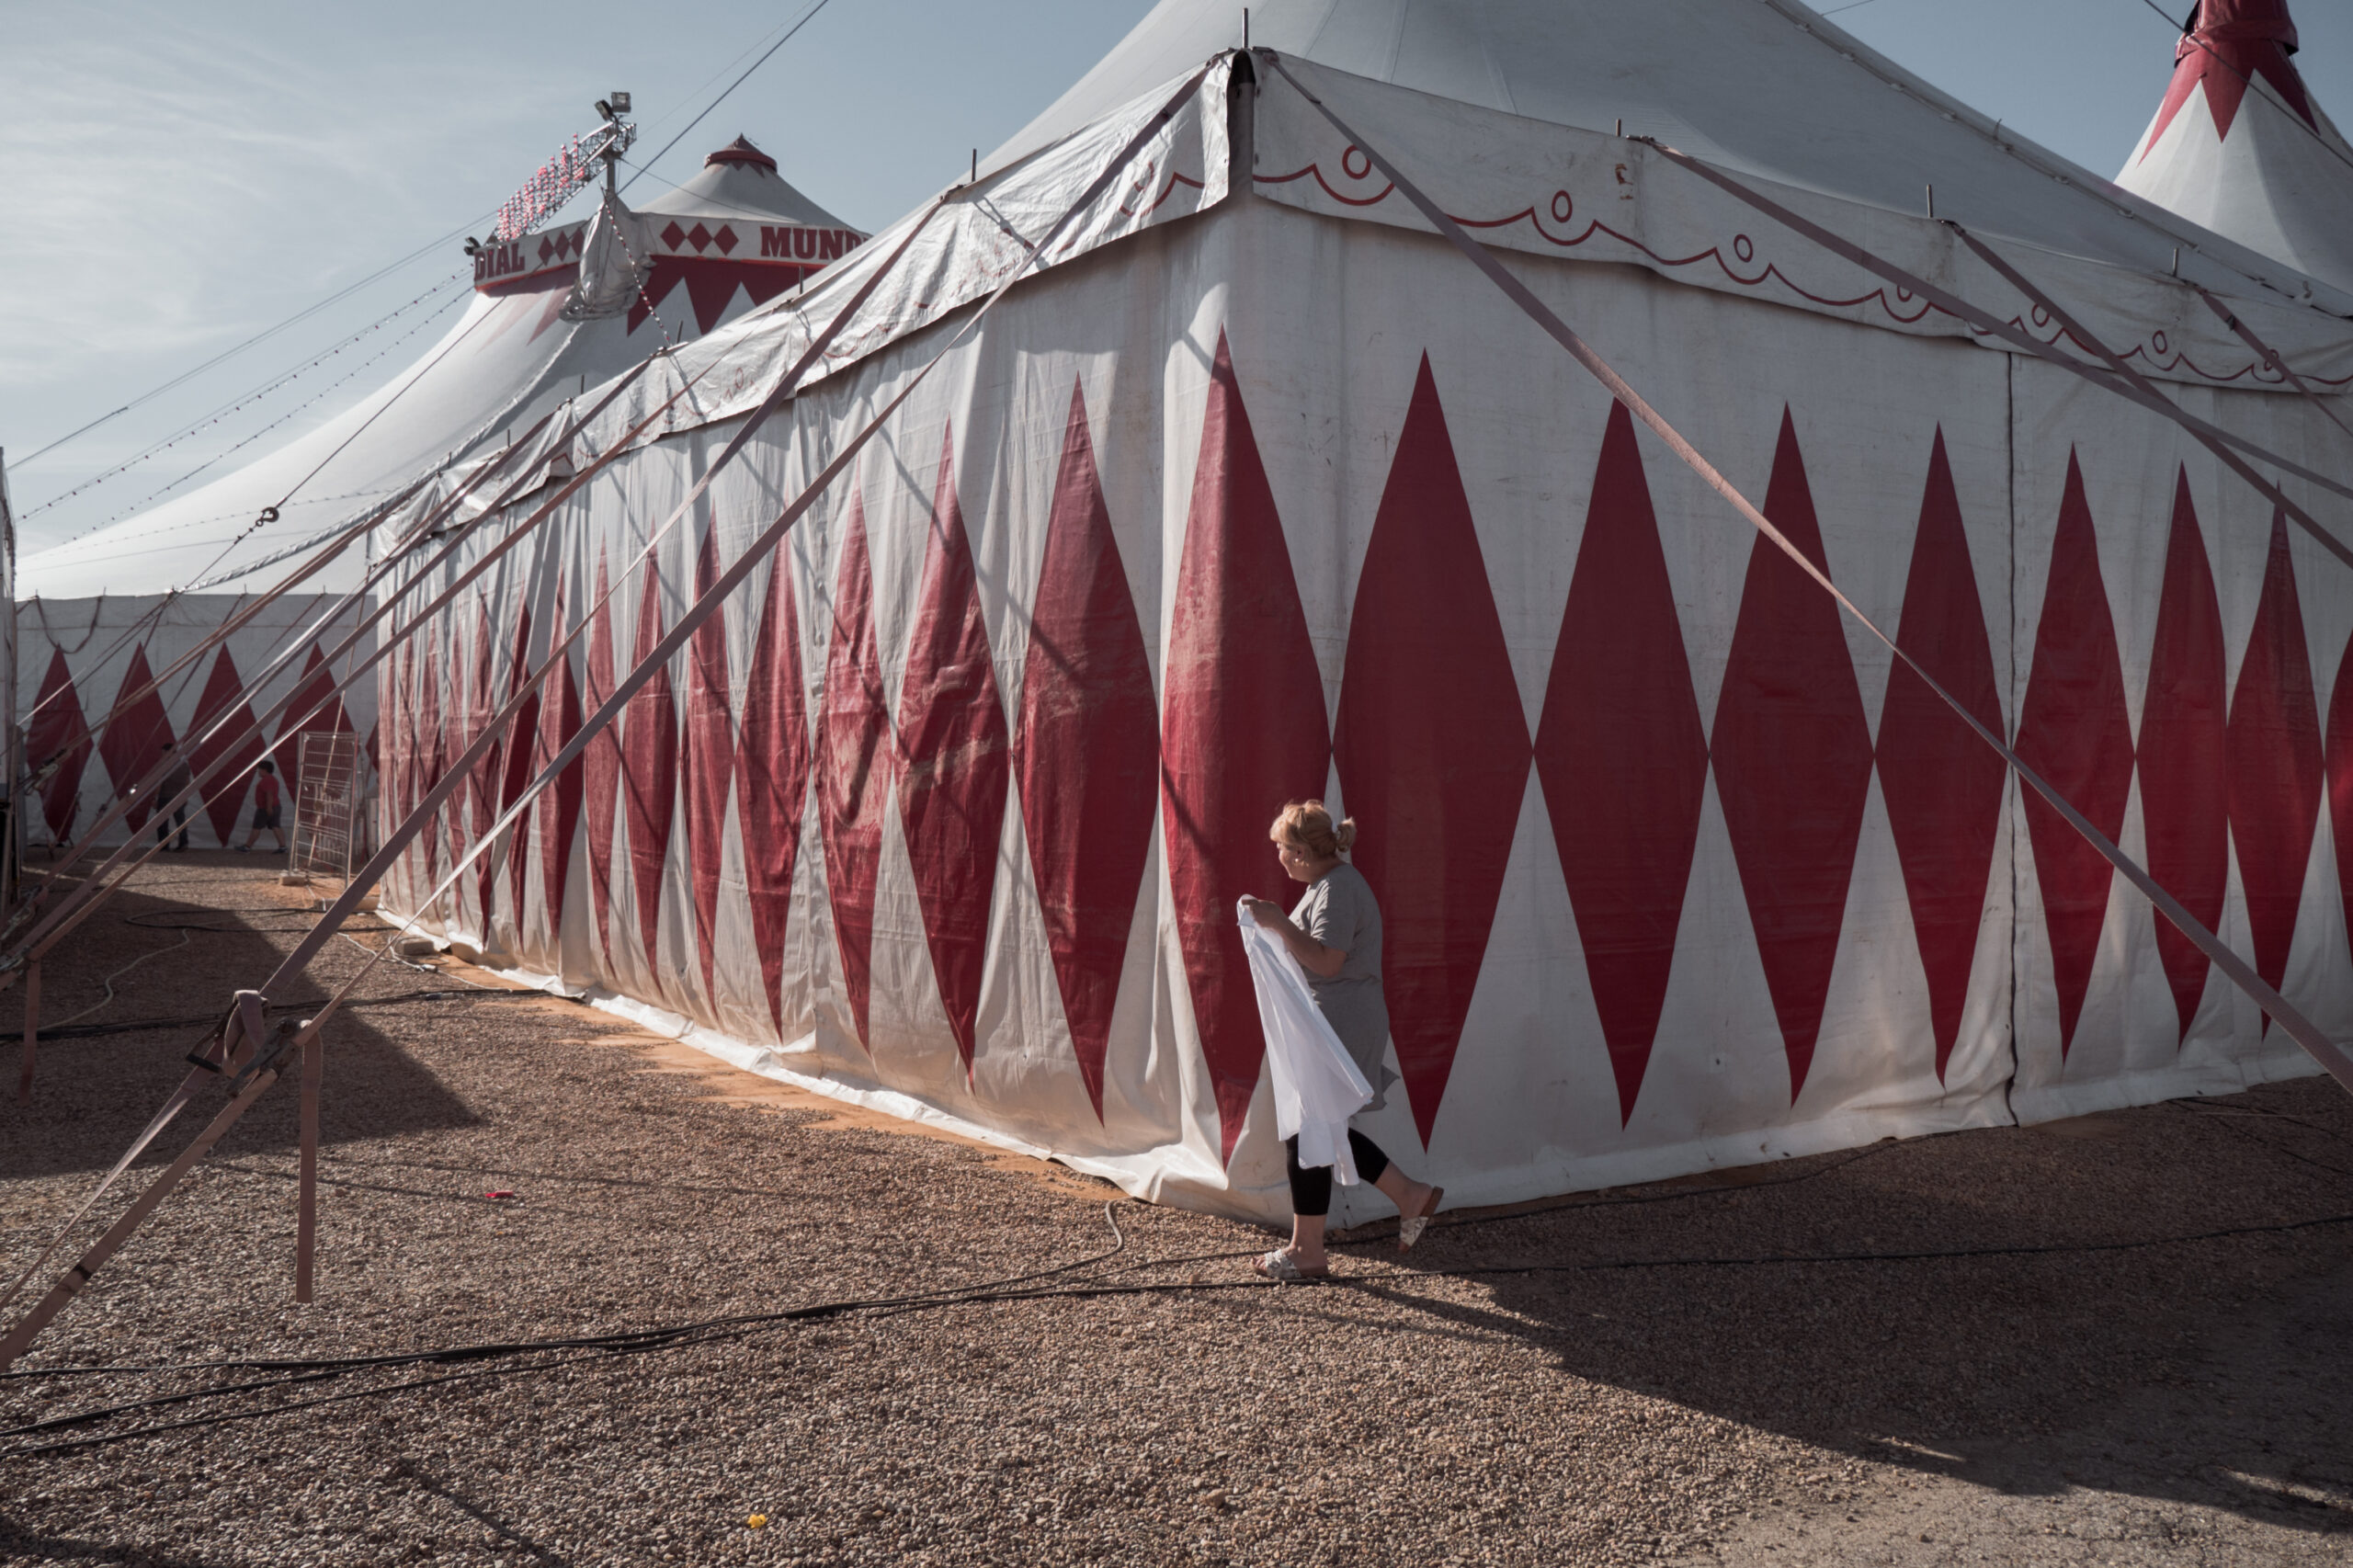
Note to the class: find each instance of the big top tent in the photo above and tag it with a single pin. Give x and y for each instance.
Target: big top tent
(1260, 491)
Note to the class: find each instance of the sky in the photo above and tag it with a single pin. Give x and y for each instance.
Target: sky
(187, 176)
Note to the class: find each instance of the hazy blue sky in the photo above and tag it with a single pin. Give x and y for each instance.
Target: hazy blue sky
(184, 175)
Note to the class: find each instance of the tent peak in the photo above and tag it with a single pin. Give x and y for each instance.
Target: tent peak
(2226, 46)
(741, 151)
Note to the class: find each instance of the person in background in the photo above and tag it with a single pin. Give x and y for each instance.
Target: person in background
(1335, 935)
(266, 799)
(174, 783)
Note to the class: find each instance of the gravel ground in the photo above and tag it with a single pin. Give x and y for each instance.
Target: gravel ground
(1514, 1393)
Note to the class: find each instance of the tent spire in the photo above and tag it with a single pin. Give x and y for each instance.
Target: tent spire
(2227, 44)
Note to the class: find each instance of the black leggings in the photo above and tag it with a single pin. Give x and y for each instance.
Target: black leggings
(1310, 1187)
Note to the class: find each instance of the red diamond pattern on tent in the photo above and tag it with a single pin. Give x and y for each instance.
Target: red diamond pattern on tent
(2185, 778)
(430, 750)
(1242, 730)
(1623, 759)
(708, 765)
(135, 734)
(2275, 763)
(57, 733)
(855, 765)
(650, 770)
(724, 240)
(2228, 58)
(710, 286)
(1432, 747)
(316, 709)
(673, 235)
(236, 744)
(560, 719)
(602, 759)
(1088, 752)
(699, 237)
(521, 737)
(2075, 731)
(1792, 750)
(1943, 785)
(954, 763)
(772, 777)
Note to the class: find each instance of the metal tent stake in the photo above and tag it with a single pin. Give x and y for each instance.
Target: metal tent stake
(306, 1224)
(32, 1034)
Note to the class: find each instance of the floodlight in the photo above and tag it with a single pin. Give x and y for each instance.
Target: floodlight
(620, 103)
(604, 108)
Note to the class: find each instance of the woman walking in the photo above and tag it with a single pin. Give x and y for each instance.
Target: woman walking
(1334, 933)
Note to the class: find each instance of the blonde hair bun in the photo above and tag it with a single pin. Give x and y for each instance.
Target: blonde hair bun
(1309, 825)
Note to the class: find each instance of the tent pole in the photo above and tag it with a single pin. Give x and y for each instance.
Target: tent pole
(306, 1219)
(33, 1035)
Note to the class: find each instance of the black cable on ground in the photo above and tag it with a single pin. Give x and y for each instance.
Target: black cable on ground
(687, 1334)
(143, 1025)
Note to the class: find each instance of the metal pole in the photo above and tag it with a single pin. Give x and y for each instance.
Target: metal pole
(306, 1224)
(32, 1034)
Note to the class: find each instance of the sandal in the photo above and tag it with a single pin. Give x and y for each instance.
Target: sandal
(1410, 1227)
(1279, 1266)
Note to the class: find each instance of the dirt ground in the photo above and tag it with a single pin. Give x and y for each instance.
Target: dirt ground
(1999, 1347)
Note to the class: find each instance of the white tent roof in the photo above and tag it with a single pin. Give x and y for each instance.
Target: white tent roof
(2238, 145)
(505, 362)
(1764, 88)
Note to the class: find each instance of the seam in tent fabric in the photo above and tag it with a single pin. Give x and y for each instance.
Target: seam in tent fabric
(2300, 1028)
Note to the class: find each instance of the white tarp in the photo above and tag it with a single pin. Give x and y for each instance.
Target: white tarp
(1315, 1083)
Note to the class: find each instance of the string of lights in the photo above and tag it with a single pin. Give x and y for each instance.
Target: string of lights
(243, 400)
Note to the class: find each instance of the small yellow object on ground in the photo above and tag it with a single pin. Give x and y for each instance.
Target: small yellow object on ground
(757, 1520)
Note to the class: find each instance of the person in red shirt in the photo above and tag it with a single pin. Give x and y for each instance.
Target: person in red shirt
(265, 798)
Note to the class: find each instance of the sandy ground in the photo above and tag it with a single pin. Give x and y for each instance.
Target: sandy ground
(1739, 1369)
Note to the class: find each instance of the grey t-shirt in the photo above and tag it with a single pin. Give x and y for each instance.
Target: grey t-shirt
(1339, 911)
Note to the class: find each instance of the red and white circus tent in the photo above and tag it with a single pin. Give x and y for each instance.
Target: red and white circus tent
(2239, 146)
(103, 611)
(1261, 491)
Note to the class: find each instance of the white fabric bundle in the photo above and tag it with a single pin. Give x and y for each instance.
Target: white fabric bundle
(1317, 1086)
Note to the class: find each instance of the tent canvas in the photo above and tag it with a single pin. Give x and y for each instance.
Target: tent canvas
(1261, 492)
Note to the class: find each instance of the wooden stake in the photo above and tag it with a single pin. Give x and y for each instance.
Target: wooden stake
(306, 1224)
(32, 1034)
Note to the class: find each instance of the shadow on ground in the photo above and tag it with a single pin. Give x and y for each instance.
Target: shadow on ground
(92, 1094)
(2217, 1373)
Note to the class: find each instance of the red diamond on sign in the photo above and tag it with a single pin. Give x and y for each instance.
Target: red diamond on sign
(700, 237)
(724, 240)
(547, 250)
(673, 236)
